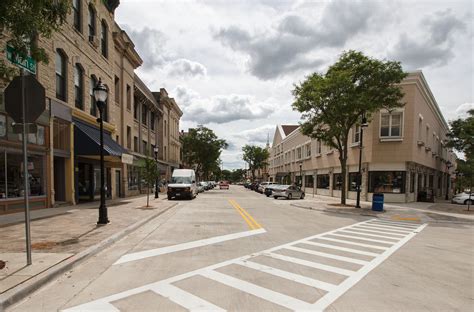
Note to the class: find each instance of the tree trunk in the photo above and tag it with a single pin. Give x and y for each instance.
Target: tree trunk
(148, 195)
(343, 161)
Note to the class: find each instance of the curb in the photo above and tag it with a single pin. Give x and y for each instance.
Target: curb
(20, 292)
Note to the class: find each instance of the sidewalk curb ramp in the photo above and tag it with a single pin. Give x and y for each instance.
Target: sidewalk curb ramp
(25, 289)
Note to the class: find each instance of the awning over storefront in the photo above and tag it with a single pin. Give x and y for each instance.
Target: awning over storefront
(282, 174)
(87, 141)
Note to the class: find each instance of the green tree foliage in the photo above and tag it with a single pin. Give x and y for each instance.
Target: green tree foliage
(237, 175)
(23, 21)
(202, 149)
(149, 173)
(332, 103)
(226, 175)
(256, 157)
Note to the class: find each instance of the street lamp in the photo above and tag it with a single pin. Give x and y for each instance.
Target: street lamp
(156, 178)
(301, 174)
(448, 165)
(100, 96)
(359, 174)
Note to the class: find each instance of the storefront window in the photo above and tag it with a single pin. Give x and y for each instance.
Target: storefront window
(412, 182)
(322, 181)
(84, 181)
(353, 181)
(3, 126)
(309, 181)
(337, 183)
(11, 175)
(387, 181)
(133, 177)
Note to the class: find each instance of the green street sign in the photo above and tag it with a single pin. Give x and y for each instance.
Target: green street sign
(27, 63)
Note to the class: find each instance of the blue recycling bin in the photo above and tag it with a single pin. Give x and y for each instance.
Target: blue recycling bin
(377, 202)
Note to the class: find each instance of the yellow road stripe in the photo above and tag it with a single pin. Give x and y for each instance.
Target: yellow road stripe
(245, 215)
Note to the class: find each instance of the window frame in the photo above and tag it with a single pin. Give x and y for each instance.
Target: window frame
(77, 15)
(62, 76)
(394, 173)
(390, 125)
(79, 86)
(104, 37)
(92, 23)
(93, 108)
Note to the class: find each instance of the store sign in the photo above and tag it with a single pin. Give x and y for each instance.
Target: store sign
(127, 159)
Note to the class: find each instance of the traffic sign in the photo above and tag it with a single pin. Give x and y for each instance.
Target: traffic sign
(35, 99)
(27, 63)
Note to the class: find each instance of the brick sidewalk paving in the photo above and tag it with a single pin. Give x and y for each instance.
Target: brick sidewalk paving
(59, 236)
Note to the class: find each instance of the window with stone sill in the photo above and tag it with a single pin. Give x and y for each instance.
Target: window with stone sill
(391, 125)
(77, 13)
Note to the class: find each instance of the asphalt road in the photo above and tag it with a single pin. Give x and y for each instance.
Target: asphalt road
(240, 251)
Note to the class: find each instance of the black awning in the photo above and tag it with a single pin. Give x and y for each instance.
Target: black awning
(282, 174)
(87, 141)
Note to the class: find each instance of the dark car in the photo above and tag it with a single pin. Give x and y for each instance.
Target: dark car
(269, 189)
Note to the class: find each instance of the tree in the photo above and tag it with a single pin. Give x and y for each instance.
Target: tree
(226, 175)
(237, 175)
(256, 157)
(332, 103)
(202, 149)
(23, 21)
(149, 173)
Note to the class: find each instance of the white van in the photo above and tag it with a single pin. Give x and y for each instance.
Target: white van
(183, 184)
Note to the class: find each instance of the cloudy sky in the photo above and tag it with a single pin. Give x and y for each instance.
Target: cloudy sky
(231, 64)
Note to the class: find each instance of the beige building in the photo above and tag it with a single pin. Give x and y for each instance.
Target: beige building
(404, 153)
(64, 152)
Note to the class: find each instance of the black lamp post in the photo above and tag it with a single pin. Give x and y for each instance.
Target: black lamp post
(156, 179)
(301, 174)
(359, 173)
(448, 165)
(100, 96)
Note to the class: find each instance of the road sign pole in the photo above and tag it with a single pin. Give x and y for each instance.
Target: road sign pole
(25, 171)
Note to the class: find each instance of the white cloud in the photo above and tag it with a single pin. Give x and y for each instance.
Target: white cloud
(462, 109)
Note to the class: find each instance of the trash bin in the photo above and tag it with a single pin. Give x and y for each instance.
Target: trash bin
(377, 202)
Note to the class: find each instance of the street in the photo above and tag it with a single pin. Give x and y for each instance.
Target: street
(241, 251)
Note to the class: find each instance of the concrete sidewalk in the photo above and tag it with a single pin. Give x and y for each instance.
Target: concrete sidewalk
(441, 211)
(61, 238)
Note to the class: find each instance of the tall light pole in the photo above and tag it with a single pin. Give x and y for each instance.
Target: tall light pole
(100, 96)
(156, 178)
(301, 174)
(448, 166)
(359, 173)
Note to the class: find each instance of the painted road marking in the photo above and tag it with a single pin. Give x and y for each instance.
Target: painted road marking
(365, 230)
(326, 255)
(189, 245)
(394, 224)
(405, 224)
(192, 302)
(245, 215)
(371, 235)
(380, 227)
(363, 238)
(399, 229)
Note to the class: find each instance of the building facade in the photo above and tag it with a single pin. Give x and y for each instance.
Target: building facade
(63, 157)
(404, 153)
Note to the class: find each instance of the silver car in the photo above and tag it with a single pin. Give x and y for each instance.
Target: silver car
(463, 198)
(289, 192)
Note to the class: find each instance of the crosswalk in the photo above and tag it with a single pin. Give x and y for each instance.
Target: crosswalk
(348, 253)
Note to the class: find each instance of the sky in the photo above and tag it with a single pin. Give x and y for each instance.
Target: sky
(231, 64)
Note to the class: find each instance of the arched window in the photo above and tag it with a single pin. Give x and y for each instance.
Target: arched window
(79, 86)
(91, 23)
(103, 38)
(60, 75)
(93, 83)
(77, 12)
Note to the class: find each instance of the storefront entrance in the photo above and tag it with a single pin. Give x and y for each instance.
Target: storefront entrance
(59, 179)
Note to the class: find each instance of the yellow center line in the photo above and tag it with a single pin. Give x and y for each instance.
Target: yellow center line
(245, 215)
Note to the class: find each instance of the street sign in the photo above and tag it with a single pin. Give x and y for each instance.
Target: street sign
(27, 63)
(35, 99)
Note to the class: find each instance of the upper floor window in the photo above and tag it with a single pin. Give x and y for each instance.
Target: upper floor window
(391, 125)
(93, 83)
(152, 121)
(298, 151)
(356, 134)
(135, 109)
(144, 114)
(91, 24)
(60, 75)
(129, 97)
(77, 13)
(117, 90)
(164, 128)
(103, 38)
(308, 150)
(420, 129)
(319, 147)
(78, 86)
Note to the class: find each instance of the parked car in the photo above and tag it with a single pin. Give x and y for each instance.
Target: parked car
(289, 192)
(200, 187)
(262, 186)
(183, 184)
(253, 186)
(269, 189)
(463, 198)
(223, 185)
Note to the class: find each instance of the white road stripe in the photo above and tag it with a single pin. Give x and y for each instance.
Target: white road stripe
(362, 238)
(416, 225)
(288, 275)
(261, 292)
(390, 227)
(356, 251)
(377, 231)
(371, 235)
(94, 306)
(310, 264)
(199, 243)
(330, 297)
(353, 243)
(380, 227)
(326, 255)
(185, 299)
(395, 224)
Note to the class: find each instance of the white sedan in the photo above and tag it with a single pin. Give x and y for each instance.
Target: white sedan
(463, 198)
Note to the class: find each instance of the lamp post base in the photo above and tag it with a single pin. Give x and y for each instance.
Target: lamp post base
(103, 219)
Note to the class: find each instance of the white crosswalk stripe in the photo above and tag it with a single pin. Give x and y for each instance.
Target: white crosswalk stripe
(370, 231)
